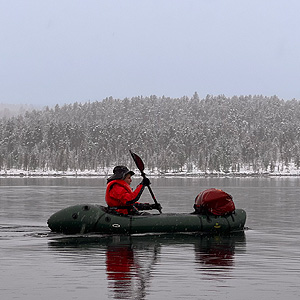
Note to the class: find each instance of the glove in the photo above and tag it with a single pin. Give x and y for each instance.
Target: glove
(156, 206)
(145, 182)
(142, 206)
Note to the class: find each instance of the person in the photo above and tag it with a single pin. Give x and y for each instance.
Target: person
(119, 196)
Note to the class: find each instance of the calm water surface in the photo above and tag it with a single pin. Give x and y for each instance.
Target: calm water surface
(262, 263)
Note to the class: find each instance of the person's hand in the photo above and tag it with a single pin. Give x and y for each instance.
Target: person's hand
(142, 206)
(156, 206)
(146, 182)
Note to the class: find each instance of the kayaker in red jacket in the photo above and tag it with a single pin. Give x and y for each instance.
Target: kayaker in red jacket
(119, 195)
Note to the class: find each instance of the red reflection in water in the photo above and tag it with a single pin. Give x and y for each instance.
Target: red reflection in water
(121, 271)
(119, 262)
(129, 275)
(218, 256)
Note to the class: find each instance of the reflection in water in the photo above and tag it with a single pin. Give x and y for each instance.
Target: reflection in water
(216, 250)
(215, 255)
(120, 267)
(127, 271)
(130, 260)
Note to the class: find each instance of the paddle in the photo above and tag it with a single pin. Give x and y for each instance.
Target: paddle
(140, 164)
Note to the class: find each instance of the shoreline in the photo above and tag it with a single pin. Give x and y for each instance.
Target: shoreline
(89, 174)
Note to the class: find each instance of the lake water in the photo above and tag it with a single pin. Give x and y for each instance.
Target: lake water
(262, 263)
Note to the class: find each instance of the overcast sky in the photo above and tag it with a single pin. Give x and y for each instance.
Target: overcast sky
(63, 51)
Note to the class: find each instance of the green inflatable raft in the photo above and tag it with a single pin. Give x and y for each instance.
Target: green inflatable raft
(86, 218)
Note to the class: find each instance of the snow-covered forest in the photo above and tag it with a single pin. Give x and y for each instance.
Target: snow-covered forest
(214, 134)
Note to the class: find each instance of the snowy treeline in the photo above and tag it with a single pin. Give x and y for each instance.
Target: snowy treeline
(211, 134)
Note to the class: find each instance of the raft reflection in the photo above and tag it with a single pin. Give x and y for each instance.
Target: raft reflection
(132, 260)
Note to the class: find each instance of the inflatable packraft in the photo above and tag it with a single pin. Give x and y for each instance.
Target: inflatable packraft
(86, 218)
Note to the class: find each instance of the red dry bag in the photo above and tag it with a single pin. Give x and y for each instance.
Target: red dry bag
(214, 201)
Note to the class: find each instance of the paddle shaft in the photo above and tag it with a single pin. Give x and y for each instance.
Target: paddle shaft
(140, 164)
(151, 193)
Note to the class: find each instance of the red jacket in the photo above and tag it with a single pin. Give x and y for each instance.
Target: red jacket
(119, 194)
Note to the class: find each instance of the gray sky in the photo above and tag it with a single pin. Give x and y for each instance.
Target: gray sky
(62, 51)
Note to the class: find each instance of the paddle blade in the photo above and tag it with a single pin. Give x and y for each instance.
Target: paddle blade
(138, 161)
